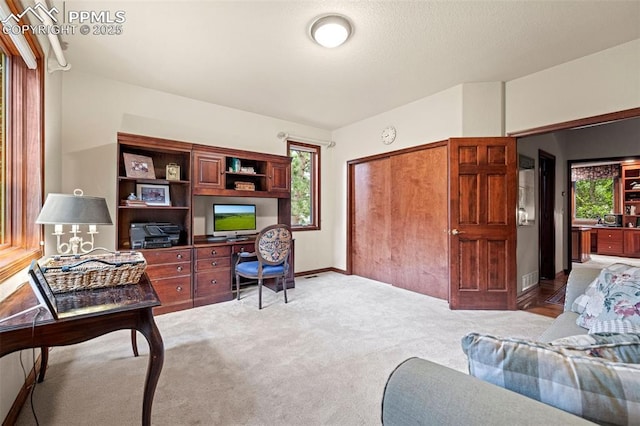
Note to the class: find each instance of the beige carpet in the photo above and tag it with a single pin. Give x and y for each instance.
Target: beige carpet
(600, 261)
(322, 359)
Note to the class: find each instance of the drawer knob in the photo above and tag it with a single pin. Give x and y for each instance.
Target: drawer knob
(214, 263)
(179, 289)
(241, 249)
(214, 281)
(179, 268)
(213, 252)
(179, 255)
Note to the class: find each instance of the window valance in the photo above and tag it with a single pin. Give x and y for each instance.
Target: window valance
(606, 171)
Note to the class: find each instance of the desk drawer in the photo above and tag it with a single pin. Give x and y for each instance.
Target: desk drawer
(214, 251)
(610, 248)
(241, 248)
(173, 290)
(610, 241)
(212, 263)
(168, 270)
(213, 282)
(157, 257)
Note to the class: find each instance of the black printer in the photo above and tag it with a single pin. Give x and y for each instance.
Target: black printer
(149, 235)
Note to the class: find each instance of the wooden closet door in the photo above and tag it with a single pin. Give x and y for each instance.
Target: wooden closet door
(419, 220)
(370, 228)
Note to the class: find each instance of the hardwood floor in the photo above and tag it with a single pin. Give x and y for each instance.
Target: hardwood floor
(535, 301)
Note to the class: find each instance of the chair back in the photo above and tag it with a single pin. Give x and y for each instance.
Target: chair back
(273, 244)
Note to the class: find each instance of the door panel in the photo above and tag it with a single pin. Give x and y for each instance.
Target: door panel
(370, 234)
(419, 203)
(482, 223)
(497, 202)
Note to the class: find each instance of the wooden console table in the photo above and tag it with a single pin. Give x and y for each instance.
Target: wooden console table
(85, 315)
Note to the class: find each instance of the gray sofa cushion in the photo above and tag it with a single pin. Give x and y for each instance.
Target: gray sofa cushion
(420, 392)
(563, 326)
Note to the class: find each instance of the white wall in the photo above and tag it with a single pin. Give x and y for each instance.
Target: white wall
(618, 139)
(96, 109)
(597, 84)
(483, 109)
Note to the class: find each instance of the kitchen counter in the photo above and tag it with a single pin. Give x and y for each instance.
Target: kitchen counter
(607, 240)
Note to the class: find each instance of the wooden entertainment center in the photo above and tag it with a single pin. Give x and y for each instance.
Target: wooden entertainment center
(194, 271)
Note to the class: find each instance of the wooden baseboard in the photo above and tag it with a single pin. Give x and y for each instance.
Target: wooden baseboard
(23, 395)
(319, 271)
(528, 297)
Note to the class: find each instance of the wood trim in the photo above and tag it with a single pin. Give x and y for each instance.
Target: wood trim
(528, 297)
(317, 185)
(174, 145)
(397, 152)
(319, 271)
(24, 168)
(23, 395)
(581, 122)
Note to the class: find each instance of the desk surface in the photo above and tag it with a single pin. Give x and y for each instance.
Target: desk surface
(76, 304)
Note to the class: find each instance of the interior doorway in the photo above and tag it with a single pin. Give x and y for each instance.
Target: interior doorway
(547, 228)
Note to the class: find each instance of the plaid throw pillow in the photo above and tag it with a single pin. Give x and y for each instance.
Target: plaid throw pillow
(615, 347)
(614, 326)
(593, 388)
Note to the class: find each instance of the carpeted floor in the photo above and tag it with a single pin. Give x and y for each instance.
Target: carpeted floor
(322, 359)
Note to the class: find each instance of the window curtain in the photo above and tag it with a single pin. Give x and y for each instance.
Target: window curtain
(607, 171)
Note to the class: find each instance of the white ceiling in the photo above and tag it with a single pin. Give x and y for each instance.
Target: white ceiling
(257, 56)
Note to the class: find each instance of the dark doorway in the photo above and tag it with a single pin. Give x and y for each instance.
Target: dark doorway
(547, 229)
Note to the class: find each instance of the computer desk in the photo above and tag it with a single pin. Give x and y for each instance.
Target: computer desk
(85, 315)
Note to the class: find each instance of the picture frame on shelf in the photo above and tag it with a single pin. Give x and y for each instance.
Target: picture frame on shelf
(173, 171)
(138, 166)
(153, 195)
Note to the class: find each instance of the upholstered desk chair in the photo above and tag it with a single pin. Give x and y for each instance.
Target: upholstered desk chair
(272, 252)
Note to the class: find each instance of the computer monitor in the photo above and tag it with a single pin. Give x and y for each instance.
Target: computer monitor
(231, 220)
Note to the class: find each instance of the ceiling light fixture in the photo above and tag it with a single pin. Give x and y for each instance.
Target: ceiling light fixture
(331, 30)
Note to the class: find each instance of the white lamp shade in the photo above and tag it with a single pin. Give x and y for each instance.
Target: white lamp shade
(331, 30)
(74, 209)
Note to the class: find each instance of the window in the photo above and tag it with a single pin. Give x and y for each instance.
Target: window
(594, 190)
(305, 186)
(21, 149)
(3, 193)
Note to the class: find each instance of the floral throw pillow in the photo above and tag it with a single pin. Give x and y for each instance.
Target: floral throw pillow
(615, 296)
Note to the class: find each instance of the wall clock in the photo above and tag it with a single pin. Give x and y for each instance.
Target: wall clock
(388, 135)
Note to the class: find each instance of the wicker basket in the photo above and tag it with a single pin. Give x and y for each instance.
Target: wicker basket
(90, 271)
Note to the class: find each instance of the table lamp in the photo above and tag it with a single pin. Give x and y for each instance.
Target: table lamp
(74, 210)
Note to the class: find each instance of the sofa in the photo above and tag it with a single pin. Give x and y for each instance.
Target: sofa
(422, 392)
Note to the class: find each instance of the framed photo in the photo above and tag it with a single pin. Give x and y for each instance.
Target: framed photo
(173, 171)
(154, 195)
(138, 166)
(41, 288)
